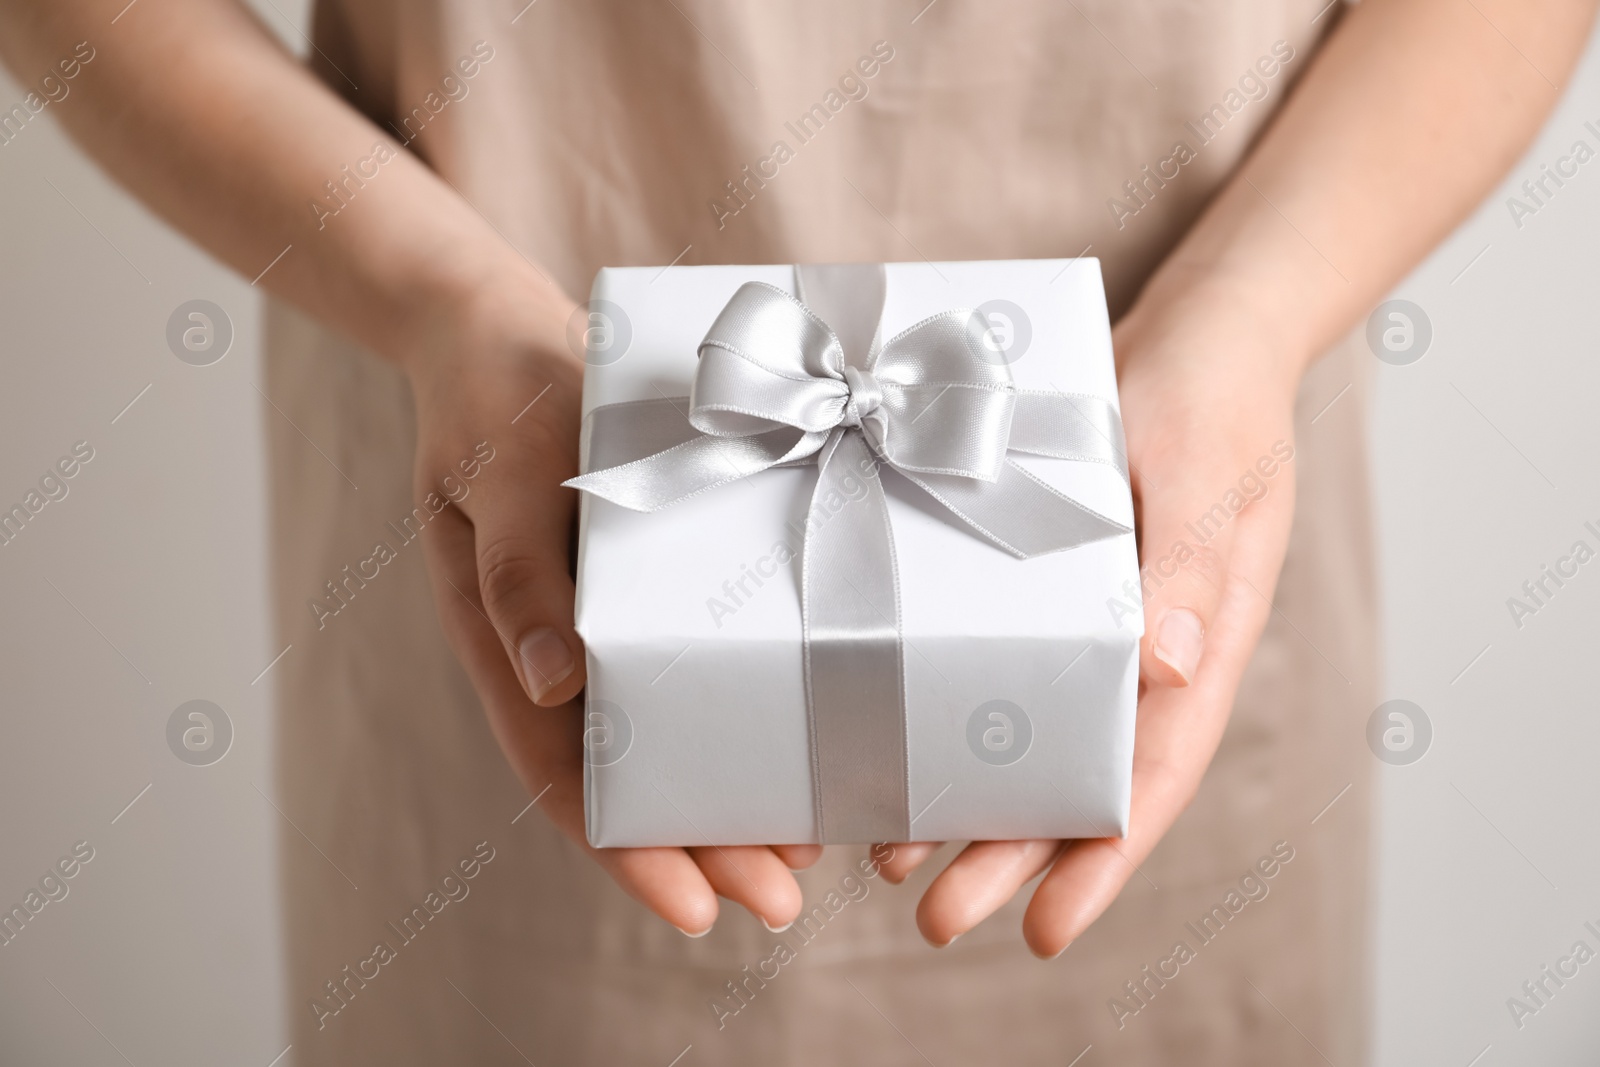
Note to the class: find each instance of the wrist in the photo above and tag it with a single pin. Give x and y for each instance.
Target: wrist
(490, 345)
(490, 304)
(1233, 322)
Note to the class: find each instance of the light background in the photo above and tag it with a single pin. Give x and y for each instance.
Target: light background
(144, 588)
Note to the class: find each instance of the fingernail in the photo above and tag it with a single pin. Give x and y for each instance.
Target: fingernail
(946, 944)
(1179, 642)
(686, 933)
(546, 661)
(1057, 956)
(776, 929)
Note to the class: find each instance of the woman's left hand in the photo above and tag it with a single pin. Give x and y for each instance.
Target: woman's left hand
(1206, 397)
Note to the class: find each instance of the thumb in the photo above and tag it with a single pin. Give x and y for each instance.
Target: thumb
(1186, 536)
(522, 523)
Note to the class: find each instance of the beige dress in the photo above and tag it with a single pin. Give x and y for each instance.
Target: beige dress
(647, 132)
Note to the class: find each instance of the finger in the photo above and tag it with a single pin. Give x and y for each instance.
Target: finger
(545, 749)
(1177, 733)
(903, 859)
(754, 876)
(1074, 893)
(1185, 535)
(976, 883)
(522, 518)
(667, 881)
(798, 857)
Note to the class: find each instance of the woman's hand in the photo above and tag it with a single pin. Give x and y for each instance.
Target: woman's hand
(1287, 257)
(502, 372)
(1207, 401)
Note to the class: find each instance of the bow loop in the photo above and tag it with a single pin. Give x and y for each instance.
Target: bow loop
(952, 346)
(948, 403)
(767, 362)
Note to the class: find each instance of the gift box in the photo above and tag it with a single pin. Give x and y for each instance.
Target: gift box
(855, 555)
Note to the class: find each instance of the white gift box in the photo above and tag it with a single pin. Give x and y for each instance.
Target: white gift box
(1020, 675)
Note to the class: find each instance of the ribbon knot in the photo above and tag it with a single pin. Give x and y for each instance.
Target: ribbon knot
(866, 396)
(781, 382)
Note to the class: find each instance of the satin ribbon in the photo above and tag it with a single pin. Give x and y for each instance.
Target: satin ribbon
(784, 381)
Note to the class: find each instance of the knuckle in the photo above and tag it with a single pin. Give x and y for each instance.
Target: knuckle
(1207, 566)
(1183, 571)
(506, 571)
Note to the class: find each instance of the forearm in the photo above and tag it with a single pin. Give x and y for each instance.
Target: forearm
(1410, 114)
(201, 114)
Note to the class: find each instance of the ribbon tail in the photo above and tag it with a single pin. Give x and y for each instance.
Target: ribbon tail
(624, 466)
(1018, 512)
(854, 658)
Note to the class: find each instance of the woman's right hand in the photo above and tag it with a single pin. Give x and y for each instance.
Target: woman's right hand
(502, 372)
